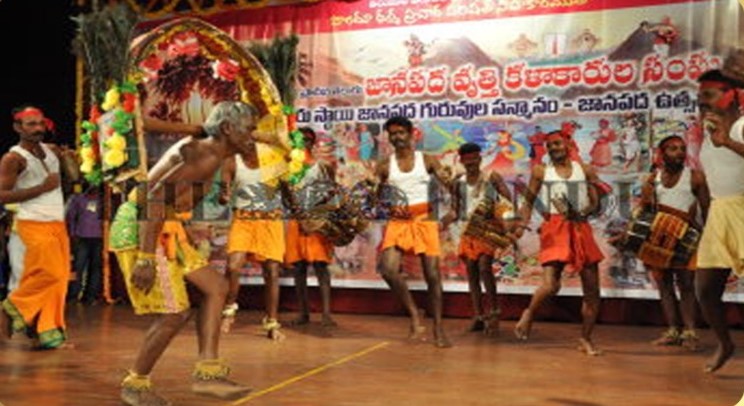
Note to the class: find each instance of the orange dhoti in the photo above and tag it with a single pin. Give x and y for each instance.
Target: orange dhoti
(38, 304)
(259, 235)
(568, 242)
(417, 235)
(472, 248)
(306, 247)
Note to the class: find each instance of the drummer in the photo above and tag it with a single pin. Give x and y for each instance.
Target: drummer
(476, 253)
(678, 190)
(567, 197)
(305, 250)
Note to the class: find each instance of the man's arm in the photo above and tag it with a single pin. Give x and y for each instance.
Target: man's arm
(440, 172)
(160, 126)
(227, 174)
(533, 188)
(11, 166)
(68, 162)
(702, 193)
(648, 197)
(592, 180)
(497, 182)
(721, 134)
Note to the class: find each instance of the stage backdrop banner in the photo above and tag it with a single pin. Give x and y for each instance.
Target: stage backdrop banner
(621, 75)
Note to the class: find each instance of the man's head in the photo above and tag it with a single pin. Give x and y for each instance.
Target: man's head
(470, 157)
(673, 152)
(308, 137)
(556, 145)
(235, 122)
(30, 124)
(722, 90)
(400, 131)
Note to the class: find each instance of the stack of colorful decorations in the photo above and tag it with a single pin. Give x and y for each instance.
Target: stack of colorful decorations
(109, 141)
(300, 159)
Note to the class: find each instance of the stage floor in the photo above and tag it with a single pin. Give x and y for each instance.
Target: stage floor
(367, 361)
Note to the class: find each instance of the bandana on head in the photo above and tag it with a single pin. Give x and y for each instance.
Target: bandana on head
(27, 112)
(35, 112)
(553, 135)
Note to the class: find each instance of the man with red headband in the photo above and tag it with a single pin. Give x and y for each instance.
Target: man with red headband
(30, 176)
(477, 253)
(568, 130)
(566, 199)
(676, 190)
(721, 249)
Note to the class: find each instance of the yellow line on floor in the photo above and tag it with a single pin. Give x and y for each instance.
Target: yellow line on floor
(309, 373)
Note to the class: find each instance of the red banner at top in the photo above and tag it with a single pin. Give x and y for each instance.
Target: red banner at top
(369, 14)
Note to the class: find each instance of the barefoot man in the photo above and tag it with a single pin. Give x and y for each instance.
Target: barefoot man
(477, 253)
(565, 235)
(413, 228)
(314, 249)
(30, 176)
(257, 229)
(721, 249)
(676, 190)
(162, 260)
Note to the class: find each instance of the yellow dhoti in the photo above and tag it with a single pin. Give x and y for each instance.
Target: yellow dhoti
(175, 258)
(38, 304)
(722, 242)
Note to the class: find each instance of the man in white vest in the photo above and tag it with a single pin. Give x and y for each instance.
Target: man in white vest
(30, 176)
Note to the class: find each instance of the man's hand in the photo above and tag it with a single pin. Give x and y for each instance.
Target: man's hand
(51, 182)
(143, 275)
(717, 128)
(448, 219)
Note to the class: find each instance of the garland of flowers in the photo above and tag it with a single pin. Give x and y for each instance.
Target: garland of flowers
(102, 154)
(299, 158)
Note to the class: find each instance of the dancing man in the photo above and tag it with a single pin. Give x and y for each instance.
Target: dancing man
(257, 229)
(677, 190)
(568, 197)
(721, 249)
(413, 227)
(477, 253)
(310, 249)
(30, 176)
(163, 259)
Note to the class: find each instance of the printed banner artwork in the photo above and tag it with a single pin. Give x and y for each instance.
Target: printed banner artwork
(618, 76)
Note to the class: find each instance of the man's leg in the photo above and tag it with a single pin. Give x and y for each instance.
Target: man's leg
(550, 286)
(210, 374)
(93, 286)
(589, 308)
(136, 389)
(271, 296)
(390, 260)
(324, 283)
(664, 279)
(688, 305)
(430, 265)
(300, 278)
(492, 311)
(476, 296)
(79, 266)
(709, 287)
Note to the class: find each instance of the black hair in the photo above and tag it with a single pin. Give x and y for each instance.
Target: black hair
(400, 121)
(469, 148)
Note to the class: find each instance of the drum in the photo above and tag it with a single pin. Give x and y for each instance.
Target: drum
(339, 222)
(483, 225)
(662, 239)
